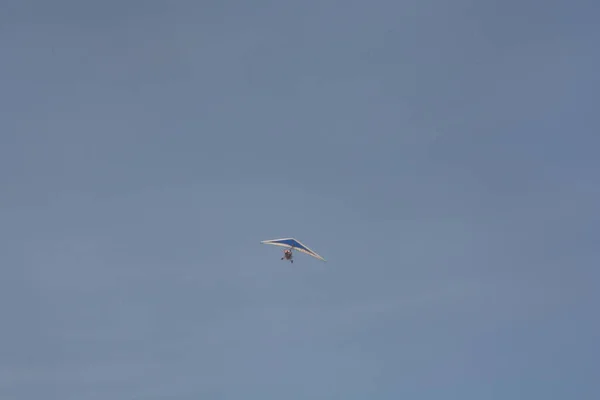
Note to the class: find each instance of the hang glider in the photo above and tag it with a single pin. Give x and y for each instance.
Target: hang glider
(292, 244)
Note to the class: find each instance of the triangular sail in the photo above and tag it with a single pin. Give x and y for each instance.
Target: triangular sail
(294, 244)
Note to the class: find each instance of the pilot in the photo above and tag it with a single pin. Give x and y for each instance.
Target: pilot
(287, 254)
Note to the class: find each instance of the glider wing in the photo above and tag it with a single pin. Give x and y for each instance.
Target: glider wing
(294, 244)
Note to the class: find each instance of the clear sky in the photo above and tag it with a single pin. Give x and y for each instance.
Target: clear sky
(442, 155)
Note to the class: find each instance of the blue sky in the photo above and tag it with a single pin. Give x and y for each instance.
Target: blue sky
(441, 155)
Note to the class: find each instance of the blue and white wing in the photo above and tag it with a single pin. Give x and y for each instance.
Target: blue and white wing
(294, 244)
